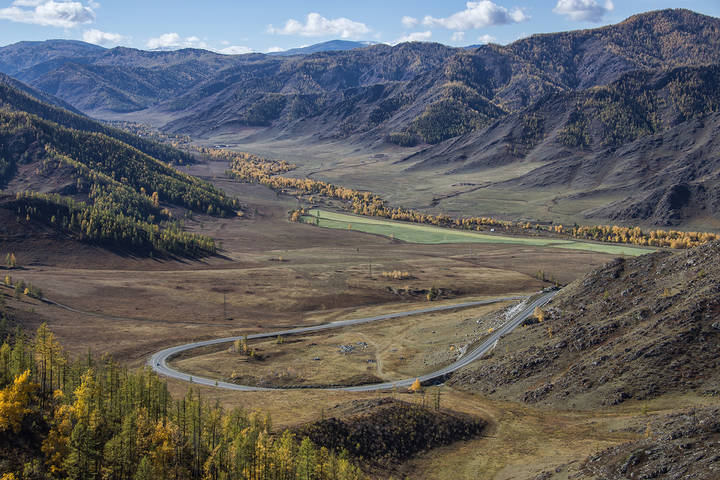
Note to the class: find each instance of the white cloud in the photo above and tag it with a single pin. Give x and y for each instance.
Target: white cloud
(49, 13)
(28, 3)
(487, 38)
(409, 22)
(583, 10)
(275, 50)
(99, 37)
(235, 50)
(458, 36)
(478, 15)
(318, 26)
(173, 41)
(414, 37)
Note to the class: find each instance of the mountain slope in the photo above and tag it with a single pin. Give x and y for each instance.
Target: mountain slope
(460, 91)
(37, 94)
(120, 79)
(94, 187)
(16, 96)
(646, 139)
(23, 55)
(634, 329)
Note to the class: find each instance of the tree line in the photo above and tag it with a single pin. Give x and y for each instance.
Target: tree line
(251, 168)
(109, 227)
(90, 418)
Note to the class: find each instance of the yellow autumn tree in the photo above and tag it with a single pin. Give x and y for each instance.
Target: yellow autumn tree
(416, 386)
(539, 314)
(15, 402)
(55, 447)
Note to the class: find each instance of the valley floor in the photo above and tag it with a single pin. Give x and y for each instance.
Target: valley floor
(272, 274)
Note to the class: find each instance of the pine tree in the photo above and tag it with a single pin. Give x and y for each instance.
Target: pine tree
(144, 472)
(306, 460)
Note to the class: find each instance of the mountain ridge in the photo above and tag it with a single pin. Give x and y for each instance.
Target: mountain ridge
(329, 46)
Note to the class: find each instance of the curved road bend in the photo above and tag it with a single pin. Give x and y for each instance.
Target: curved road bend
(158, 361)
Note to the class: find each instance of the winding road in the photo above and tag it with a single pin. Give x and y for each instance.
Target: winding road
(158, 361)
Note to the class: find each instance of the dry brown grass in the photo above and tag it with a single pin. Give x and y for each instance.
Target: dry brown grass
(389, 350)
(137, 306)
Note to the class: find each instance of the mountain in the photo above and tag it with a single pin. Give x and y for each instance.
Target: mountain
(420, 92)
(95, 79)
(613, 124)
(37, 94)
(23, 55)
(646, 139)
(330, 46)
(343, 90)
(66, 173)
(635, 329)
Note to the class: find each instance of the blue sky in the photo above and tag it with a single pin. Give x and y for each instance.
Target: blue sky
(236, 26)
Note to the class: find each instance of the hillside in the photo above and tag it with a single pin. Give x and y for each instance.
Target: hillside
(635, 329)
(95, 79)
(646, 140)
(16, 96)
(87, 183)
(36, 94)
(679, 445)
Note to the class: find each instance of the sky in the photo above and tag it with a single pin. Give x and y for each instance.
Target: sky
(238, 26)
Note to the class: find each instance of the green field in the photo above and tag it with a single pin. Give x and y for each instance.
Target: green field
(426, 234)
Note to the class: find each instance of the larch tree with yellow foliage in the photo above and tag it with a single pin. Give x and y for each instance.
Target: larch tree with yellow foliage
(416, 386)
(15, 402)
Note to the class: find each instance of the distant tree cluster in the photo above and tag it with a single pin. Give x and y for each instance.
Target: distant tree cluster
(10, 260)
(110, 227)
(21, 288)
(175, 141)
(101, 421)
(637, 236)
(253, 169)
(397, 275)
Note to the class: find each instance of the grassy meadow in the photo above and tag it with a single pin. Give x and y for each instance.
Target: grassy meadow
(429, 235)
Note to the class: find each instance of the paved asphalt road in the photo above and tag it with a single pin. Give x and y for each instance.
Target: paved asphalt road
(158, 361)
